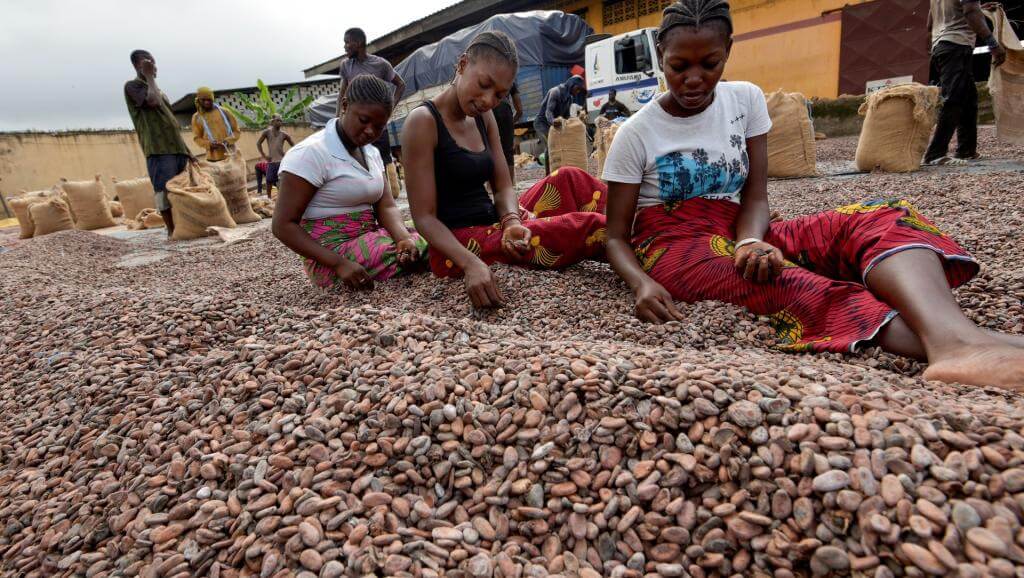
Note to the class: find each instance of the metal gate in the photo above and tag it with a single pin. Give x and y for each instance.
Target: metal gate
(883, 39)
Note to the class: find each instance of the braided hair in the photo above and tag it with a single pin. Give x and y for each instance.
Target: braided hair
(695, 13)
(495, 43)
(367, 89)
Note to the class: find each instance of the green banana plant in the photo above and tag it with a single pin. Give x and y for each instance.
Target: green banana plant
(258, 111)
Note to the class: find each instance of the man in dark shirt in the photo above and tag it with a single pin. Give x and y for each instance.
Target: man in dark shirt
(613, 109)
(507, 114)
(157, 129)
(357, 61)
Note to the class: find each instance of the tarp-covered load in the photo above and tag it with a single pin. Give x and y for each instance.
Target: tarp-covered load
(544, 38)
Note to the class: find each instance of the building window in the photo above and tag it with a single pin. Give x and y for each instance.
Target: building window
(633, 54)
(619, 11)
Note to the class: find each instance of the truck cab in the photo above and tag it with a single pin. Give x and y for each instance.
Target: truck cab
(627, 63)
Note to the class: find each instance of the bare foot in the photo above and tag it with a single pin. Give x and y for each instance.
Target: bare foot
(994, 365)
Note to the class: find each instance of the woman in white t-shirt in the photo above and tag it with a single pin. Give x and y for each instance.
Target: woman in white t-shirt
(335, 208)
(695, 162)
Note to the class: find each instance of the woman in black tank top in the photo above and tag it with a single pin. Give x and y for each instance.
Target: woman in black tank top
(451, 148)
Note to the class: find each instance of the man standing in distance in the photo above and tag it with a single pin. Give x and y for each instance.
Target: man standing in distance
(357, 62)
(275, 139)
(955, 26)
(157, 129)
(213, 128)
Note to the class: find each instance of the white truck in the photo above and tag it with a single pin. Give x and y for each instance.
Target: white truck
(627, 63)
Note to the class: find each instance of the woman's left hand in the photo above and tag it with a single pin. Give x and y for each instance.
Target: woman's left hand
(515, 240)
(759, 262)
(406, 251)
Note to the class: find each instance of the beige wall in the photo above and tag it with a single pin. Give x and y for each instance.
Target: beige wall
(31, 161)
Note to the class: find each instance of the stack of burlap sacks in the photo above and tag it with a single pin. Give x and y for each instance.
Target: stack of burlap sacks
(68, 205)
(204, 195)
(603, 137)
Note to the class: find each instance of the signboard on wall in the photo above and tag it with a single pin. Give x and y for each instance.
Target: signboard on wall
(876, 85)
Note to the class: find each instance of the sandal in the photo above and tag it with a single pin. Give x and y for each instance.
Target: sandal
(946, 161)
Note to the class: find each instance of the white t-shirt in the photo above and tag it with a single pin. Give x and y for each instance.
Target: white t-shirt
(705, 155)
(343, 185)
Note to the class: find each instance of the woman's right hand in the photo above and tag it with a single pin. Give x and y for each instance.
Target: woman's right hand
(655, 305)
(482, 288)
(353, 275)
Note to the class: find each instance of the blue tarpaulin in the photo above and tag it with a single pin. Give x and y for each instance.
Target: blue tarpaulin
(543, 38)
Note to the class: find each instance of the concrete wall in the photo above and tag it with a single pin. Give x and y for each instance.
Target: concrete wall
(33, 161)
(787, 44)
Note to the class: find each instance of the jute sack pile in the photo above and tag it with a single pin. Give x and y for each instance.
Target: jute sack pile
(1006, 83)
(603, 137)
(791, 149)
(393, 182)
(229, 177)
(21, 205)
(90, 206)
(135, 195)
(51, 215)
(567, 145)
(196, 204)
(898, 124)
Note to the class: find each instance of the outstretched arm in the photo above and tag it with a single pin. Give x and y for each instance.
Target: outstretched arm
(976, 20)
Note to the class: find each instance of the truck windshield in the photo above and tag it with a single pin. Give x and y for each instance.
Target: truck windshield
(632, 54)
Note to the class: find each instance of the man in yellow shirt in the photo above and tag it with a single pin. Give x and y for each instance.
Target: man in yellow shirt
(213, 128)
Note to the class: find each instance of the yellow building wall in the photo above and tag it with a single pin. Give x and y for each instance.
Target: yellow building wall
(804, 59)
(35, 161)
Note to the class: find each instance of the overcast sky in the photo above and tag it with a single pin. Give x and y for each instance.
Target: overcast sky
(64, 63)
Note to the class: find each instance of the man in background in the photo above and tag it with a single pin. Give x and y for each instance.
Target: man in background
(955, 26)
(613, 109)
(275, 139)
(557, 105)
(213, 128)
(357, 61)
(506, 115)
(159, 136)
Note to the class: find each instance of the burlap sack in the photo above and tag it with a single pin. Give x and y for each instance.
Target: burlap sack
(393, 182)
(263, 208)
(50, 216)
(196, 204)
(135, 195)
(791, 149)
(603, 137)
(151, 219)
(21, 205)
(567, 146)
(897, 127)
(230, 178)
(116, 209)
(1006, 82)
(90, 206)
(146, 219)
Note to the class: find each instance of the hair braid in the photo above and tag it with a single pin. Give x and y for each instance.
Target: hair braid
(695, 13)
(496, 42)
(367, 89)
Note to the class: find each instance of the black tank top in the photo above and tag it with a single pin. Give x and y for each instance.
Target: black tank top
(459, 177)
